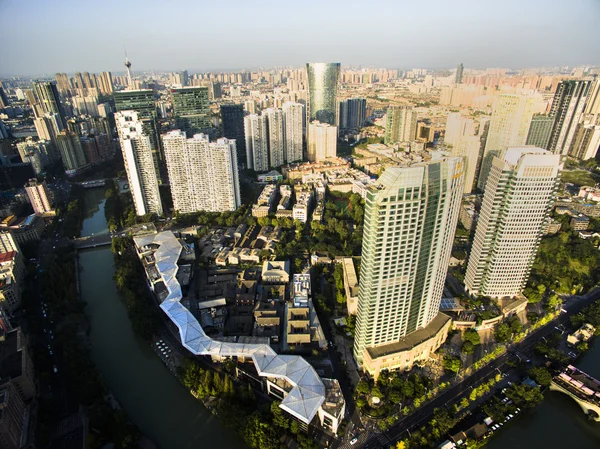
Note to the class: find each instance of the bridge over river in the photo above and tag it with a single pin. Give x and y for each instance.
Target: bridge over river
(582, 387)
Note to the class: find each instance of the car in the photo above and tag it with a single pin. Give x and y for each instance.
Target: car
(55, 369)
(353, 441)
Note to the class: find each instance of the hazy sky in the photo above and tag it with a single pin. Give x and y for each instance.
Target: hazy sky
(47, 36)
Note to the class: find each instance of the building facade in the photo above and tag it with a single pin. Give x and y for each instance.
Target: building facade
(353, 113)
(48, 99)
(71, 152)
(322, 141)
(276, 131)
(140, 166)
(516, 204)
(509, 127)
(39, 196)
(257, 142)
(203, 175)
(232, 121)
(323, 84)
(400, 125)
(293, 116)
(191, 109)
(539, 131)
(567, 109)
(410, 220)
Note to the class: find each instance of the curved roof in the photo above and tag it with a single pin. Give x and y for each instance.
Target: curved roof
(308, 392)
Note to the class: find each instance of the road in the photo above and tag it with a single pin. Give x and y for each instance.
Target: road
(460, 390)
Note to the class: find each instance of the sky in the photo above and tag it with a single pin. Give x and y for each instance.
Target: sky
(47, 36)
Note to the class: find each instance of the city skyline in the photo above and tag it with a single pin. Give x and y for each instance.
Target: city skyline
(464, 32)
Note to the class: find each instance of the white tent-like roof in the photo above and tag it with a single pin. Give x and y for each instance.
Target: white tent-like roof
(308, 392)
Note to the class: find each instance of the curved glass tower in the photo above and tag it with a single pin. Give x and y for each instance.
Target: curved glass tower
(323, 78)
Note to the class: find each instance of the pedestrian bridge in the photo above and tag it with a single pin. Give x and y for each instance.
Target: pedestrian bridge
(582, 387)
(92, 241)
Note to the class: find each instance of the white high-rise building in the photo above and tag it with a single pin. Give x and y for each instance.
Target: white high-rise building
(139, 163)
(203, 175)
(400, 125)
(509, 127)
(39, 196)
(257, 147)
(516, 204)
(276, 136)
(322, 141)
(410, 220)
(293, 114)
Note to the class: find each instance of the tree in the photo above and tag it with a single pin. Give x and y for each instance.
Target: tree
(541, 375)
(260, 434)
(516, 326)
(452, 364)
(524, 396)
(553, 302)
(363, 387)
(467, 347)
(395, 396)
(472, 336)
(503, 333)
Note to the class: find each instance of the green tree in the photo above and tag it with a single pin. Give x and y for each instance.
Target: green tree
(452, 364)
(259, 434)
(502, 333)
(473, 336)
(524, 396)
(467, 347)
(363, 387)
(541, 375)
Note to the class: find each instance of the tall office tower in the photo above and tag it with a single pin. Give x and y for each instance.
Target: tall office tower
(63, 84)
(567, 109)
(516, 204)
(509, 126)
(539, 131)
(215, 91)
(39, 196)
(142, 102)
(586, 141)
(459, 73)
(400, 125)
(191, 109)
(232, 120)
(293, 115)
(105, 83)
(48, 98)
(276, 131)
(71, 152)
(138, 157)
(410, 220)
(322, 141)
(203, 174)
(468, 147)
(257, 147)
(185, 78)
(323, 82)
(353, 112)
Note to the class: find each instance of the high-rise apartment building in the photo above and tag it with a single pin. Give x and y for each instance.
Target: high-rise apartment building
(48, 99)
(400, 125)
(459, 73)
(586, 141)
(293, 115)
(257, 142)
(63, 83)
(142, 102)
(539, 131)
(323, 82)
(276, 131)
(139, 163)
(232, 120)
(410, 219)
(516, 205)
(191, 109)
(39, 196)
(353, 113)
(203, 175)
(509, 127)
(567, 109)
(322, 141)
(71, 153)
(105, 83)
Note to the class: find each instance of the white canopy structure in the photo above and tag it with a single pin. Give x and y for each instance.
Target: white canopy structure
(308, 393)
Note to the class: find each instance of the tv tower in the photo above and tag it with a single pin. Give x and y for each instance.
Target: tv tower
(128, 67)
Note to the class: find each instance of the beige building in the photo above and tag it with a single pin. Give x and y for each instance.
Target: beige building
(39, 197)
(350, 285)
(412, 348)
(322, 141)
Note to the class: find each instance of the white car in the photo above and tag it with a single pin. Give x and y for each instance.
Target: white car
(353, 441)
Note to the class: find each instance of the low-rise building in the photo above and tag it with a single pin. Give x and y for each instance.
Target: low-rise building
(272, 176)
(584, 333)
(276, 272)
(350, 285)
(25, 230)
(579, 223)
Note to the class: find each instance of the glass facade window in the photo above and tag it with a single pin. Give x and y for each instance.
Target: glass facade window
(323, 80)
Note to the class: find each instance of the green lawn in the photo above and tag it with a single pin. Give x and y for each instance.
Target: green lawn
(580, 177)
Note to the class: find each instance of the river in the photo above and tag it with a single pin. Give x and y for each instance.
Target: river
(152, 397)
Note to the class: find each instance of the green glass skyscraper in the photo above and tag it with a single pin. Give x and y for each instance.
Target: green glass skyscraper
(191, 109)
(323, 81)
